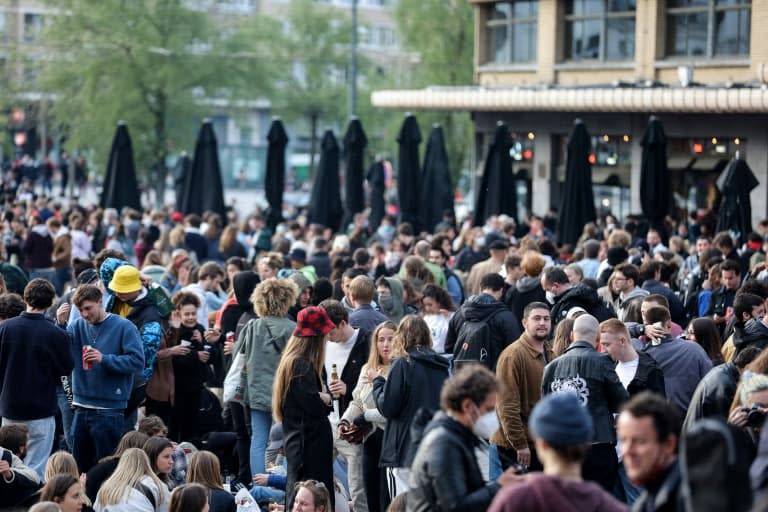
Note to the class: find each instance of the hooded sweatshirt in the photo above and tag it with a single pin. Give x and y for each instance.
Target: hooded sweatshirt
(413, 383)
(483, 307)
(395, 311)
(525, 291)
(548, 493)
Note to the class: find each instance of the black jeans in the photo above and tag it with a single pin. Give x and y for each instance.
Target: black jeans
(375, 477)
(241, 417)
(601, 465)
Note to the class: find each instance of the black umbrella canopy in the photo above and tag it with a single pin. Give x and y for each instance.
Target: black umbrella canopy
(496, 193)
(578, 205)
(325, 203)
(180, 173)
(203, 190)
(377, 187)
(655, 191)
(436, 185)
(355, 142)
(120, 186)
(735, 212)
(274, 180)
(409, 172)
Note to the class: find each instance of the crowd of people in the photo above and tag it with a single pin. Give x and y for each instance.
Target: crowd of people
(159, 361)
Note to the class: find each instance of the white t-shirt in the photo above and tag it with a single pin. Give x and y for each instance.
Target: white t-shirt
(338, 353)
(626, 371)
(438, 328)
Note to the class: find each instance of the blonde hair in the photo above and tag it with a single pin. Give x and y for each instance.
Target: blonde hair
(374, 359)
(176, 235)
(412, 332)
(274, 297)
(311, 350)
(130, 471)
(619, 238)
(204, 469)
(61, 463)
(750, 383)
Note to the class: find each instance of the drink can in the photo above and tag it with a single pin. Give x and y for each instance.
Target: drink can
(230, 337)
(87, 365)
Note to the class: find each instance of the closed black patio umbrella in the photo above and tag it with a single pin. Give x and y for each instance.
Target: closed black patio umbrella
(436, 184)
(203, 190)
(578, 205)
(409, 172)
(274, 179)
(325, 202)
(120, 187)
(376, 187)
(355, 142)
(180, 172)
(496, 193)
(655, 189)
(735, 212)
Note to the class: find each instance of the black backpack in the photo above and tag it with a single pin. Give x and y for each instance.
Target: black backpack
(475, 344)
(714, 467)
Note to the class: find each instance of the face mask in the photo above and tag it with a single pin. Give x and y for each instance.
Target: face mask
(550, 297)
(387, 302)
(486, 425)
(386, 231)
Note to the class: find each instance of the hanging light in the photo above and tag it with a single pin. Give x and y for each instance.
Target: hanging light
(625, 138)
(531, 135)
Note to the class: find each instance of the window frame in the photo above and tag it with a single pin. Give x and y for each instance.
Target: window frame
(508, 24)
(602, 17)
(711, 9)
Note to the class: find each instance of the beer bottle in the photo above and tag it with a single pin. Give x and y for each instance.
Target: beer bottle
(335, 376)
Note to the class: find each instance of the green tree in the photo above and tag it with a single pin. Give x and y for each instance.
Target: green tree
(441, 32)
(313, 52)
(155, 64)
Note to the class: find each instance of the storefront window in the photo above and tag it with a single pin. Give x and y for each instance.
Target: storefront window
(708, 28)
(600, 30)
(512, 32)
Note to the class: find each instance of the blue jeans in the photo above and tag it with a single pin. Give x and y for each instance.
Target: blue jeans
(67, 415)
(95, 434)
(48, 275)
(267, 494)
(41, 434)
(261, 422)
(494, 463)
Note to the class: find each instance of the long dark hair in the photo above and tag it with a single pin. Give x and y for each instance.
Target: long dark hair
(153, 448)
(708, 336)
(56, 488)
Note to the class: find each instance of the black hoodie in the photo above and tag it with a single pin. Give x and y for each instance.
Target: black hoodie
(413, 383)
(583, 296)
(753, 333)
(484, 307)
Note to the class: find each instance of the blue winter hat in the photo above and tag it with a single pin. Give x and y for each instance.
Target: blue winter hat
(561, 420)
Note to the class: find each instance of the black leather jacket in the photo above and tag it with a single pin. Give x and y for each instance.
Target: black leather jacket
(713, 395)
(445, 475)
(591, 375)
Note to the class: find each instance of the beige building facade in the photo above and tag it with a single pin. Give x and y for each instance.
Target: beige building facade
(701, 66)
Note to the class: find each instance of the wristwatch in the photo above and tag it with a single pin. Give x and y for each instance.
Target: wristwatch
(641, 330)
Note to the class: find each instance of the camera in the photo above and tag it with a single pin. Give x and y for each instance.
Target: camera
(755, 415)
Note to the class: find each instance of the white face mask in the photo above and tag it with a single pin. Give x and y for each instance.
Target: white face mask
(550, 297)
(486, 425)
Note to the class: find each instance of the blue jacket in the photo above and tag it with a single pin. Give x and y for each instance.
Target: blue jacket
(144, 315)
(108, 384)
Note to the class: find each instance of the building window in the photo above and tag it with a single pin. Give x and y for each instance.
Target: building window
(707, 28)
(512, 31)
(600, 30)
(33, 26)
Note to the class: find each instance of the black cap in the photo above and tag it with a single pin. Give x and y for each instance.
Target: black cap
(87, 276)
(298, 254)
(499, 244)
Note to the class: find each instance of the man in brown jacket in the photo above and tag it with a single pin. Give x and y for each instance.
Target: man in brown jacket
(493, 265)
(519, 370)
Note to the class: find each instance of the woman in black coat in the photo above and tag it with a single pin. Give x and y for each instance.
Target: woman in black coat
(302, 404)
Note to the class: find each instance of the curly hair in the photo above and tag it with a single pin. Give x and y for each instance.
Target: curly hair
(182, 298)
(274, 297)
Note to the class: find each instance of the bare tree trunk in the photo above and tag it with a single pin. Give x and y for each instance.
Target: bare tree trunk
(312, 144)
(160, 171)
